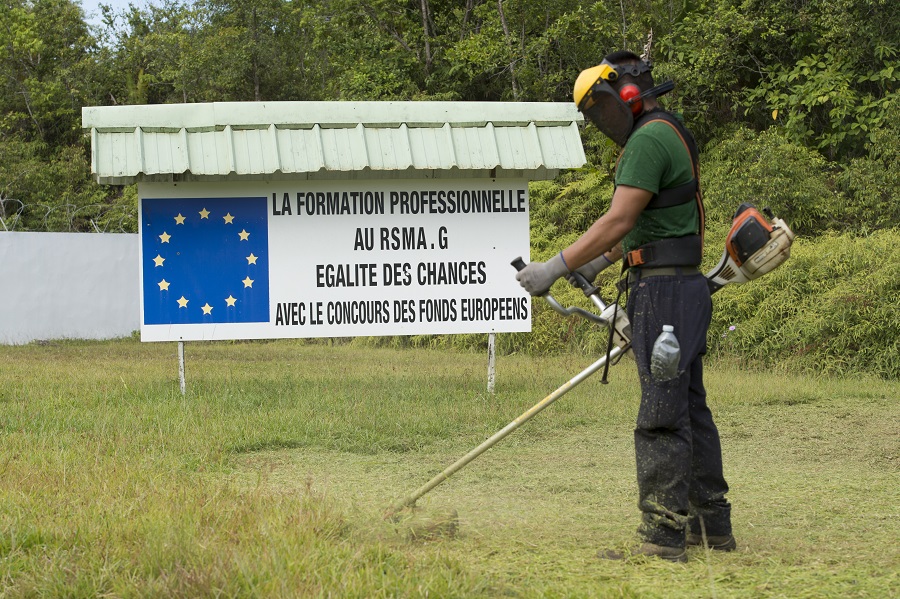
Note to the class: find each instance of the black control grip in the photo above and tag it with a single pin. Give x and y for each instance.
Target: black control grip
(578, 280)
(518, 263)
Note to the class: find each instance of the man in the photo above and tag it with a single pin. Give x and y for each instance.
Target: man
(655, 221)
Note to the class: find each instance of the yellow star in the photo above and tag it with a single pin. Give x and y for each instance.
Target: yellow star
(159, 260)
(165, 237)
(230, 301)
(179, 220)
(204, 213)
(244, 235)
(164, 285)
(251, 259)
(206, 308)
(228, 219)
(248, 282)
(182, 303)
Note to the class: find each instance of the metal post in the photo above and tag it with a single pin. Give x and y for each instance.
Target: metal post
(491, 359)
(181, 366)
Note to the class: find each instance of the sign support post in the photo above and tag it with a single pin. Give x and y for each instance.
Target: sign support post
(491, 360)
(181, 366)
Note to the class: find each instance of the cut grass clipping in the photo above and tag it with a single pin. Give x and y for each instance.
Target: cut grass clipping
(271, 476)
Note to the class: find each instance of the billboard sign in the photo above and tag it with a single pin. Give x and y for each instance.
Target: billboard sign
(342, 258)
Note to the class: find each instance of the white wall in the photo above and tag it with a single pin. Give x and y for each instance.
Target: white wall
(68, 285)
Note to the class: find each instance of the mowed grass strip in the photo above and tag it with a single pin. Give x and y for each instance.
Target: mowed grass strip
(270, 477)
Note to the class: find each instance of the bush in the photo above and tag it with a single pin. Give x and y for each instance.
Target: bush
(50, 189)
(870, 183)
(563, 209)
(766, 169)
(831, 308)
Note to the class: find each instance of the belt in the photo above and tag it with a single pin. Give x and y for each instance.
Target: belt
(636, 274)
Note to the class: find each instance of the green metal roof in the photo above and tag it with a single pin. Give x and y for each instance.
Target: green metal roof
(328, 140)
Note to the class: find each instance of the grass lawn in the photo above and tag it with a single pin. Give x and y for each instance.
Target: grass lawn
(270, 477)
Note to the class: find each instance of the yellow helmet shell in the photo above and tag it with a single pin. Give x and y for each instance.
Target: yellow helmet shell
(588, 78)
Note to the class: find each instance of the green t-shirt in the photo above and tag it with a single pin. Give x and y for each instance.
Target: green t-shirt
(655, 158)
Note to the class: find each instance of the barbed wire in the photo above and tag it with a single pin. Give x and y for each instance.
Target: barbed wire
(16, 215)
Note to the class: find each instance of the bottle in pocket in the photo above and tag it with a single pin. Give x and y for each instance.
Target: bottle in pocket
(665, 356)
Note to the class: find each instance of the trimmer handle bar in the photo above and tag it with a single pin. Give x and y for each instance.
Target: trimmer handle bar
(582, 283)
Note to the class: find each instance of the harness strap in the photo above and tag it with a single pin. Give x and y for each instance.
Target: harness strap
(676, 251)
(688, 140)
(671, 251)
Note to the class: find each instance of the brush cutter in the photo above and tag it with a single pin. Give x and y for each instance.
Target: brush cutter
(753, 248)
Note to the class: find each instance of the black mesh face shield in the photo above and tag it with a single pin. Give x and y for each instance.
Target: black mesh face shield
(604, 106)
(606, 110)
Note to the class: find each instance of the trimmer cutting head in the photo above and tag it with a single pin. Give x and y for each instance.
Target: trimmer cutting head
(417, 524)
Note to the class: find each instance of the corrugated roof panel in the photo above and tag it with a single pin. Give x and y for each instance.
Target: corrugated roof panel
(300, 150)
(148, 144)
(344, 149)
(431, 147)
(206, 153)
(475, 147)
(388, 148)
(519, 146)
(121, 158)
(561, 146)
(332, 139)
(164, 153)
(254, 152)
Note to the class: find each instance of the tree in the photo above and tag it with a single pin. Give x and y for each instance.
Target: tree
(45, 70)
(822, 68)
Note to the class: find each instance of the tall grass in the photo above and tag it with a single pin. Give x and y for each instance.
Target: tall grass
(269, 478)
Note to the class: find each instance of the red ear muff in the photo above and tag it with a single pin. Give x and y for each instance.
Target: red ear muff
(630, 95)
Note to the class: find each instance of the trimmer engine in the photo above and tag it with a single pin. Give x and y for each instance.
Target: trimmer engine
(753, 248)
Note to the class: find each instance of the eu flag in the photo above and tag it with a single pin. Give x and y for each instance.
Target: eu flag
(205, 260)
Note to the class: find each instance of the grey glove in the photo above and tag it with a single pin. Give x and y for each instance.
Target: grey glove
(538, 277)
(593, 268)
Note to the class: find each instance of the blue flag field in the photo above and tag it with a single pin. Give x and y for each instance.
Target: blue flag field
(205, 260)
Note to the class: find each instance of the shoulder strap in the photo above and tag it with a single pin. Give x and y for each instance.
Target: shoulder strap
(686, 138)
(689, 143)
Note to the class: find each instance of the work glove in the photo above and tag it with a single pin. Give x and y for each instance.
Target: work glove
(537, 278)
(593, 268)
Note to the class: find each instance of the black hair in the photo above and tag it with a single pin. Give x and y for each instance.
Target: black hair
(623, 57)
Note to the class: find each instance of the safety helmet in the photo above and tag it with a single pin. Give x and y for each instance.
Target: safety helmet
(610, 104)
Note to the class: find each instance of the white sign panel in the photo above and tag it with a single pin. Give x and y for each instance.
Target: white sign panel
(263, 260)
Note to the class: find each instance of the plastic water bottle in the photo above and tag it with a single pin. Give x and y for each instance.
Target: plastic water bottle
(665, 356)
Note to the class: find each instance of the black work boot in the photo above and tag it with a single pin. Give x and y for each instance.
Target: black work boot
(670, 554)
(719, 543)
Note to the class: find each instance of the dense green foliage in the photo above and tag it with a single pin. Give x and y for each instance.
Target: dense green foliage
(827, 71)
(794, 104)
(831, 309)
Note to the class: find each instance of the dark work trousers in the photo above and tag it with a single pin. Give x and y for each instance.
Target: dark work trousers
(677, 448)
